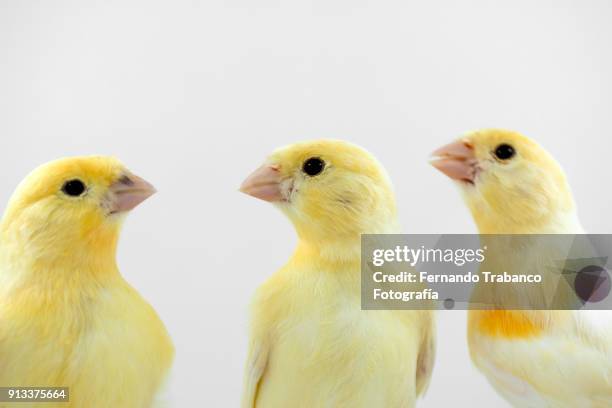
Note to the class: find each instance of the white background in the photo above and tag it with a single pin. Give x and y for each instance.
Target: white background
(193, 95)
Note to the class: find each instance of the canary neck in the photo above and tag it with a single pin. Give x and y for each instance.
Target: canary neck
(337, 250)
(345, 254)
(528, 254)
(50, 262)
(565, 222)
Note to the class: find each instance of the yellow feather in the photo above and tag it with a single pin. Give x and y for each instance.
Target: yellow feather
(67, 317)
(311, 345)
(528, 194)
(536, 358)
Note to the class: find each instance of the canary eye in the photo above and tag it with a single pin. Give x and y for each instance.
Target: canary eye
(73, 188)
(504, 151)
(313, 166)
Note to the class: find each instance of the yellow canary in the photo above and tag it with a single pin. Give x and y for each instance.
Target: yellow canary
(311, 345)
(533, 358)
(67, 317)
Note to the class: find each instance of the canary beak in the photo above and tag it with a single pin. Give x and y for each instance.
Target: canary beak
(457, 160)
(264, 183)
(129, 191)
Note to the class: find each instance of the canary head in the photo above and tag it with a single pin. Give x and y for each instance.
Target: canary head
(72, 205)
(329, 189)
(510, 183)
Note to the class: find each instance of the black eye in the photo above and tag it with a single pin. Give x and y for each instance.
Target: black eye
(73, 188)
(504, 151)
(313, 166)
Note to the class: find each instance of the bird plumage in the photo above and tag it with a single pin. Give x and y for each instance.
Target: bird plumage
(67, 317)
(533, 358)
(311, 345)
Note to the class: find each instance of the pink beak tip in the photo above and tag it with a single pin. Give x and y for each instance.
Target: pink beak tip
(130, 191)
(456, 160)
(264, 183)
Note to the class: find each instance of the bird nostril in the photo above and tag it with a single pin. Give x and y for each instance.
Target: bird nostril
(126, 181)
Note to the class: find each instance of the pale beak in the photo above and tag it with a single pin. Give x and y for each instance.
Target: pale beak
(129, 191)
(264, 183)
(457, 160)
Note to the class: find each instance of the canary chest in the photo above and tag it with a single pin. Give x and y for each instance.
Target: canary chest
(107, 345)
(327, 352)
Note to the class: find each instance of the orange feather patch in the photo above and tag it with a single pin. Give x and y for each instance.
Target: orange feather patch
(507, 323)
